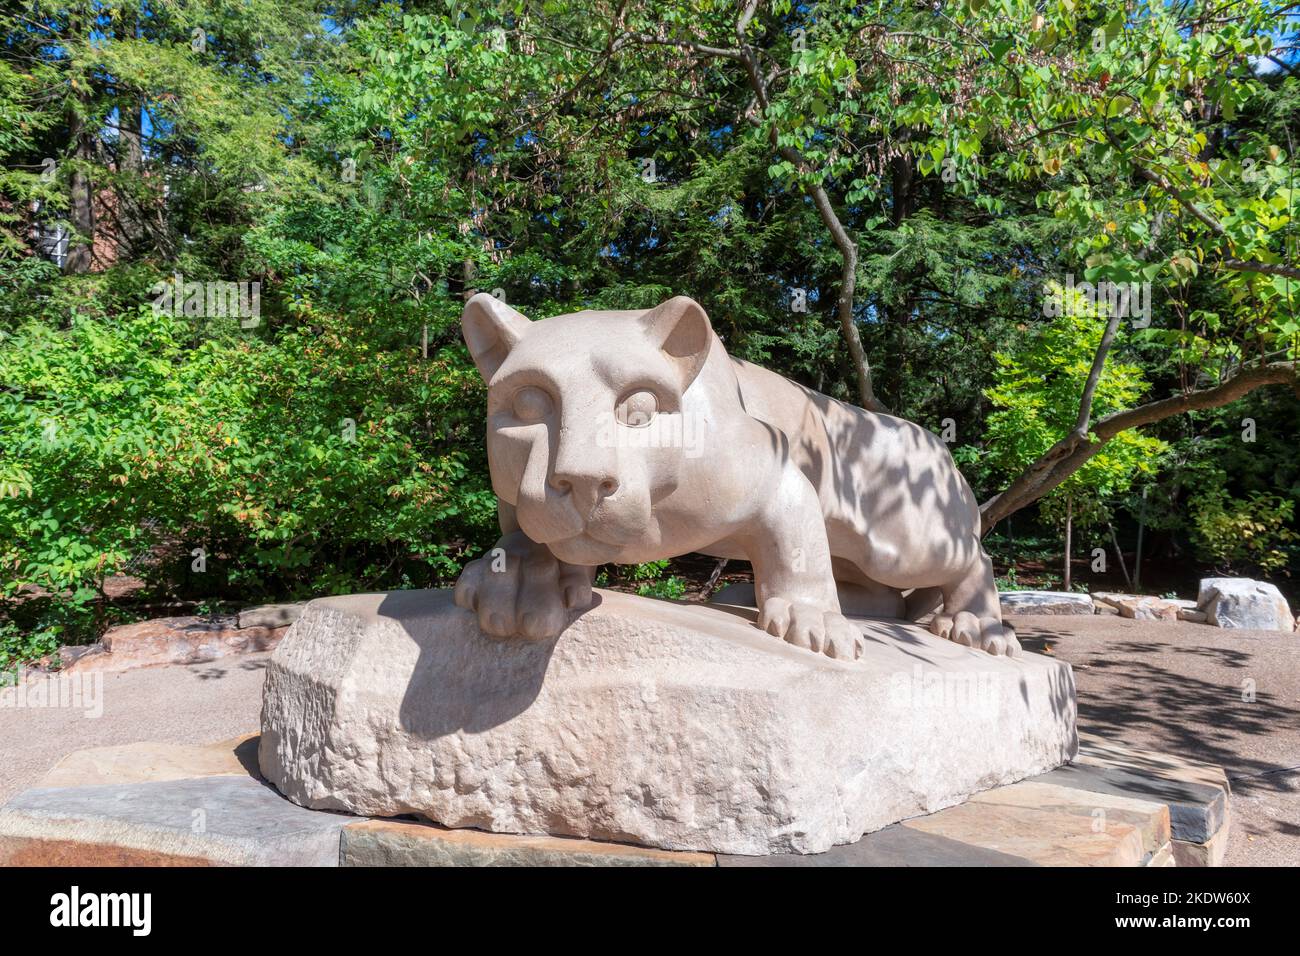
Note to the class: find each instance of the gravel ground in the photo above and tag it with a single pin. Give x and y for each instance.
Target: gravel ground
(1178, 688)
(195, 704)
(1171, 687)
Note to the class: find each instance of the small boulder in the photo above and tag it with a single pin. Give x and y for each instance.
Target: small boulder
(270, 615)
(1154, 608)
(1145, 607)
(169, 640)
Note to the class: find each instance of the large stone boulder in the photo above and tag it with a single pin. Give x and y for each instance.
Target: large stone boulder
(675, 726)
(1242, 602)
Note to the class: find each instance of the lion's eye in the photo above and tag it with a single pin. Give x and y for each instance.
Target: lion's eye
(531, 404)
(637, 409)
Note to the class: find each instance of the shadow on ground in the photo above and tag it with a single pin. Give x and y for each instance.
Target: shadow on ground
(1230, 698)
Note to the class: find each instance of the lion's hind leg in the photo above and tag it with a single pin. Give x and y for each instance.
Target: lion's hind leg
(971, 614)
(860, 596)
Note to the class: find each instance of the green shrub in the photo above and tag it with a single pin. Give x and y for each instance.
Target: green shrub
(306, 461)
(672, 588)
(18, 646)
(1243, 533)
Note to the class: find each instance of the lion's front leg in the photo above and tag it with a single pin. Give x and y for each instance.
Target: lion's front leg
(793, 585)
(520, 589)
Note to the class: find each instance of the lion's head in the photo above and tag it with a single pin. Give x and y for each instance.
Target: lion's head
(587, 427)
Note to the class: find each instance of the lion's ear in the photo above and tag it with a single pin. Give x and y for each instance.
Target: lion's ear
(491, 329)
(681, 329)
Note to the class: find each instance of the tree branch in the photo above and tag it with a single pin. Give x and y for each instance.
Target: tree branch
(1072, 452)
(1094, 375)
(1216, 227)
(730, 54)
(1264, 268)
(1213, 225)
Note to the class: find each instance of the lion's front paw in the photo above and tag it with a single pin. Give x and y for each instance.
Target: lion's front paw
(519, 589)
(986, 634)
(807, 625)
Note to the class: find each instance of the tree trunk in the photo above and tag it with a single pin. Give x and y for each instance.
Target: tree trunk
(1075, 450)
(81, 199)
(896, 318)
(1069, 528)
(130, 218)
(1114, 539)
(749, 57)
(1142, 527)
(130, 166)
(713, 579)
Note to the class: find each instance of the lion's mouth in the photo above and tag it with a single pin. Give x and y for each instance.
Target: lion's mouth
(595, 533)
(604, 531)
(612, 523)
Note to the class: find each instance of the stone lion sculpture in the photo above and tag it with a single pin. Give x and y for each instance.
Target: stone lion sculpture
(632, 436)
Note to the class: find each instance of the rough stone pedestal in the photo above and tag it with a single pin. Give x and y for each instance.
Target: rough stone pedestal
(674, 726)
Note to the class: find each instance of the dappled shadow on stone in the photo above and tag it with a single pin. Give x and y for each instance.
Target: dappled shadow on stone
(915, 642)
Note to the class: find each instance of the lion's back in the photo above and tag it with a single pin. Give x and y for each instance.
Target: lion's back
(866, 466)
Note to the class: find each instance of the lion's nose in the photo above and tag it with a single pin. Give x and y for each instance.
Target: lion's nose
(587, 488)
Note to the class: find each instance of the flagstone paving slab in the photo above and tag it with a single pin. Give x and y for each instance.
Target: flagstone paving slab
(1196, 811)
(1149, 818)
(896, 845)
(214, 820)
(399, 843)
(201, 805)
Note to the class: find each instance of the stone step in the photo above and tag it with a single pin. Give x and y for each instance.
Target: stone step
(170, 805)
(1199, 809)
(405, 843)
(217, 820)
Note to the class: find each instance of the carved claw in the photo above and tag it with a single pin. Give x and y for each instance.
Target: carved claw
(519, 589)
(808, 626)
(985, 634)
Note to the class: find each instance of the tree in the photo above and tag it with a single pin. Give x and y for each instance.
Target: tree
(1034, 390)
